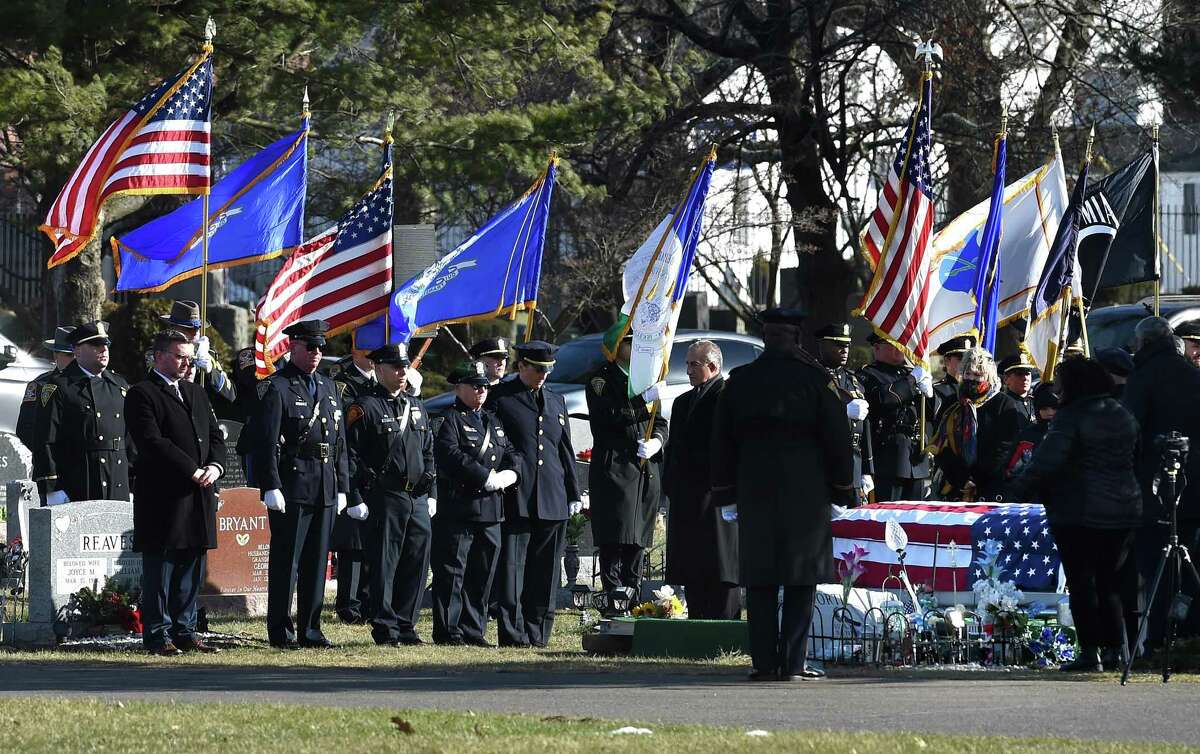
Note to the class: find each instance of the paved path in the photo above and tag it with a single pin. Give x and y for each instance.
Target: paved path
(983, 705)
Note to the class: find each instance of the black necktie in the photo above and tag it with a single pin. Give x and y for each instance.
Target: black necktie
(312, 385)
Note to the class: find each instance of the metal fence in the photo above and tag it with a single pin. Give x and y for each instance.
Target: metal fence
(1180, 231)
(23, 253)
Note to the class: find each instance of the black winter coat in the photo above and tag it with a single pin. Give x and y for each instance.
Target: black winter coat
(170, 511)
(1083, 469)
(467, 449)
(1164, 395)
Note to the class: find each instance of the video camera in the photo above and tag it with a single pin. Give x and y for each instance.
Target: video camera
(1171, 447)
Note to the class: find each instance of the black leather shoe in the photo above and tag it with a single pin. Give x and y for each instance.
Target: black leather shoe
(288, 644)
(478, 642)
(515, 644)
(761, 675)
(321, 643)
(350, 618)
(409, 639)
(453, 641)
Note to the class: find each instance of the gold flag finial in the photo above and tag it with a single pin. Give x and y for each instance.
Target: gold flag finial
(391, 123)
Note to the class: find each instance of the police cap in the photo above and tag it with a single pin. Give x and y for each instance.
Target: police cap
(309, 331)
(490, 347)
(536, 352)
(394, 354)
(61, 343)
(95, 333)
(956, 346)
(1014, 362)
(838, 332)
(1189, 330)
(468, 373)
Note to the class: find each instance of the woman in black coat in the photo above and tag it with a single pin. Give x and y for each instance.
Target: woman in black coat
(1083, 473)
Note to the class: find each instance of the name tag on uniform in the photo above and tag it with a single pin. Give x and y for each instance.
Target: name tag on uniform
(388, 419)
(469, 428)
(301, 403)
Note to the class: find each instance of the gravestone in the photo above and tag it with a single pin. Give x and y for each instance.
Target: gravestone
(16, 464)
(234, 476)
(20, 497)
(236, 577)
(72, 546)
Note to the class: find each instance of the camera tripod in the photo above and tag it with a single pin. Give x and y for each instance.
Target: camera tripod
(1174, 557)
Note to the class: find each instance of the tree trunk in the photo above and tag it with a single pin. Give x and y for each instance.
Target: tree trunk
(83, 292)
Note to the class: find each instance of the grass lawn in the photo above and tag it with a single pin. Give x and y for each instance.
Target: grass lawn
(50, 725)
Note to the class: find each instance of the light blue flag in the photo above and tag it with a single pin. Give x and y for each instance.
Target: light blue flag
(493, 273)
(256, 212)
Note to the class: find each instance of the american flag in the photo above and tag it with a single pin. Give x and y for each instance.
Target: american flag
(160, 146)
(1028, 555)
(896, 240)
(343, 276)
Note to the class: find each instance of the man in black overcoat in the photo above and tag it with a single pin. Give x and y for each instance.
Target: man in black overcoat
(300, 465)
(180, 454)
(702, 548)
(535, 512)
(475, 463)
(781, 457)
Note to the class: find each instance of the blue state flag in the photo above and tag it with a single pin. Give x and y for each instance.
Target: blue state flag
(987, 275)
(256, 212)
(493, 273)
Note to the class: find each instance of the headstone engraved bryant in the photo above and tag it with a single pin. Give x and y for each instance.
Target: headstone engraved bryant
(236, 577)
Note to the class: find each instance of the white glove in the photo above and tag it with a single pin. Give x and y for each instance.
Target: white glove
(654, 392)
(432, 506)
(858, 409)
(493, 482)
(868, 484)
(506, 478)
(203, 354)
(648, 448)
(273, 499)
(574, 507)
(358, 512)
(728, 512)
(341, 502)
(414, 382)
(58, 497)
(924, 380)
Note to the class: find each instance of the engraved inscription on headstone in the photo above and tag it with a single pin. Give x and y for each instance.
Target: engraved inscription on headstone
(234, 475)
(236, 578)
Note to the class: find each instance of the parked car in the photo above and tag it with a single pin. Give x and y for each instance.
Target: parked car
(1112, 326)
(17, 369)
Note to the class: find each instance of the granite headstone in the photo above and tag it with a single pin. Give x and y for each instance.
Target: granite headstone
(236, 577)
(234, 476)
(16, 463)
(20, 497)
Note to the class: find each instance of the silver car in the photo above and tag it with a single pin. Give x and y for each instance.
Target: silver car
(17, 369)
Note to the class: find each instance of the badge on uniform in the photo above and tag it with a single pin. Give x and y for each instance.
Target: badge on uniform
(416, 414)
(562, 420)
(263, 387)
(598, 385)
(342, 388)
(47, 392)
(31, 393)
(245, 358)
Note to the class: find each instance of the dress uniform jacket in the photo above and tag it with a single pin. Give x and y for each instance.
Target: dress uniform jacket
(469, 446)
(84, 449)
(174, 438)
(301, 449)
(351, 385)
(625, 491)
(945, 395)
(542, 436)
(701, 546)
(781, 454)
(1024, 404)
(895, 421)
(29, 421)
(850, 388)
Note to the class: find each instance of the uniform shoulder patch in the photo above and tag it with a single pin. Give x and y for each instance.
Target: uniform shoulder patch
(48, 392)
(353, 414)
(262, 388)
(245, 358)
(597, 384)
(31, 392)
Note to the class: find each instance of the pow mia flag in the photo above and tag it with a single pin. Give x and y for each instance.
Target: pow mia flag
(1116, 237)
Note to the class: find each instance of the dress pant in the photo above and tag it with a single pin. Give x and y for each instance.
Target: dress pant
(1151, 538)
(465, 556)
(621, 565)
(297, 563)
(529, 577)
(352, 581)
(398, 539)
(1102, 579)
(778, 643)
(888, 489)
(171, 582)
(713, 601)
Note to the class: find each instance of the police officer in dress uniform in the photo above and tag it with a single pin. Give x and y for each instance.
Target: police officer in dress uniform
(893, 391)
(833, 349)
(781, 457)
(535, 513)
(1189, 333)
(625, 475)
(354, 376)
(945, 390)
(300, 464)
(493, 353)
(185, 317)
(1017, 374)
(83, 450)
(245, 378)
(476, 463)
(31, 405)
(391, 460)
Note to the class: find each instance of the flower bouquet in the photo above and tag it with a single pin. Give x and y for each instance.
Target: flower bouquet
(577, 525)
(1049, 645)
(115, 608)
(849, 567)
(665, 605)
(585, 455)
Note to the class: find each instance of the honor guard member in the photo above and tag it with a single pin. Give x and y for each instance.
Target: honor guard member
(391, 461)
(245, 378)
(893, 391)
(354, 376)
(833, 350)
(625, 475)
(493, 352)
(31, 405)
(185, 317)
(300, 464)
(1189, 333)
(533, 533)
(84, 450)
(945, 390)
(475, 463)
(1016, 372)
(781, 456)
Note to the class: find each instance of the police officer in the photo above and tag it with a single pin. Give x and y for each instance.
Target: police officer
(185, 317)
(533, 533)
(83, 447)
(625, 475)
(1189, 333)
(1017, 374)
(475, 462)
(893, 390)
(245, 378)
(493, 353)
(27, 420)
(833, 350)
(300, 463)
(391, 460)
(945, 390)
(354, 376)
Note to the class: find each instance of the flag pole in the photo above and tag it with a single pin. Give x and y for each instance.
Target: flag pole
(533, 309)
(926, 51)
(1157, 229)
(1066, 319)
(210, 30)
(387, 145)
